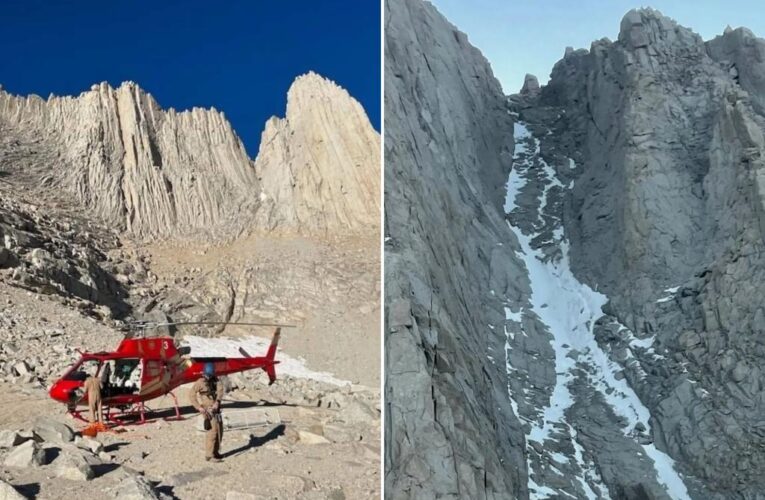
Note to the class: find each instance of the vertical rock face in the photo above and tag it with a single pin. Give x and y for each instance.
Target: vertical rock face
(158, 174)
(449, 264)
(632, 278)
(664, 212)
(137, 167)
(319, 167)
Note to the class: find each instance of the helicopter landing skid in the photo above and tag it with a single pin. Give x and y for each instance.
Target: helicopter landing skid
(131, 415)
(177, 416)
(77, 414)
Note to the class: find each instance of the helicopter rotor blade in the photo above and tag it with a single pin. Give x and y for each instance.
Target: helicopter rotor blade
(151, 326)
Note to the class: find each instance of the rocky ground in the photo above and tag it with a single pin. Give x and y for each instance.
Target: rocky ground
(162, 458)
(318, 452)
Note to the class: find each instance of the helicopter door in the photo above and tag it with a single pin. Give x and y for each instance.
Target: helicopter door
(155, 373)
(153, 370)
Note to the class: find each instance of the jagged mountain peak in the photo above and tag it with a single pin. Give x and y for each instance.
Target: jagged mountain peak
(640, 28)
(337, 145)
(312, 81)
(530, 84)
(157, 173)
(314, 96)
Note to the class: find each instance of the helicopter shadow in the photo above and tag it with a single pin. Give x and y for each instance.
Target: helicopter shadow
(257, 441)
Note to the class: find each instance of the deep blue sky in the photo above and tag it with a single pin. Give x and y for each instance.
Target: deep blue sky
(236, 55)
(527, 36)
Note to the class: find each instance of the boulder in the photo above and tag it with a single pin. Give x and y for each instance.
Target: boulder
(357, 411)
(530, 85)
(340, 433)
(9, 439)
(53, 430)
(249, 418)
(133, 487)
(740, 372)
(311, 438)
(5, 257)
(71, 465)
(21, 368)
(633, 32)
(27, 454)
(8, 492)
(87, 443)
(26, 435)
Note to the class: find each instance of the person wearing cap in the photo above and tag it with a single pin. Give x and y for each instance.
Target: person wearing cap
(206, 394)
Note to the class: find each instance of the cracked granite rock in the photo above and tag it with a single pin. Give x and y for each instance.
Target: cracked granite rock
(643, 155)
(450, 429)
(665, 217)
(158, 173)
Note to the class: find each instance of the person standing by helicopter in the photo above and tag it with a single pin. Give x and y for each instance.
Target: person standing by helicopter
(92, 388)
(206, 395)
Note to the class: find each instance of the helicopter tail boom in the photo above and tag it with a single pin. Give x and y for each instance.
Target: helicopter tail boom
(274, 343)
(268, 362)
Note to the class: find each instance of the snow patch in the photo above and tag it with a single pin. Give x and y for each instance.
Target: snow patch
(569, 310)
(671, 291)
(513, 316)
(665, 470)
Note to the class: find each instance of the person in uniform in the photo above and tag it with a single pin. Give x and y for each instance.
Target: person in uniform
(206, 394)
(92, 388)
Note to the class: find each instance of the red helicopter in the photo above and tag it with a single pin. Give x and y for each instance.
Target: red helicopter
(144, 368)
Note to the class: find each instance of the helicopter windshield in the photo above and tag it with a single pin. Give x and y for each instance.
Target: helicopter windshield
(84, 369)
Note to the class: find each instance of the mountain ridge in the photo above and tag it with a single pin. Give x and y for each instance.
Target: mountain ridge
(157, 172)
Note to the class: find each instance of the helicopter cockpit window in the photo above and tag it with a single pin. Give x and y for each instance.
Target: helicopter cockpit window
(87, 368)
(126, 376)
